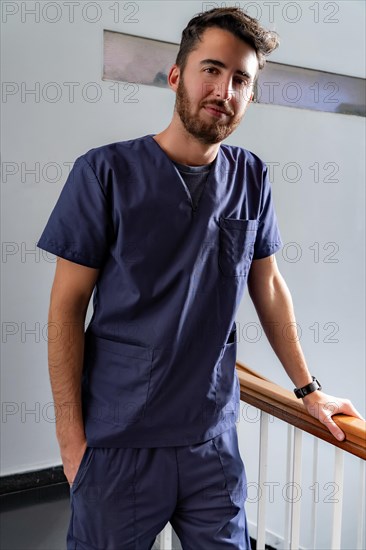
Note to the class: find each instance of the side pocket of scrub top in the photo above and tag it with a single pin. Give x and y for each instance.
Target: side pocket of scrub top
(227, 387)
(118, 381)
(236, 246)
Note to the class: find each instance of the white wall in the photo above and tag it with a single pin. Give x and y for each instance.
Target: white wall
(35, 130)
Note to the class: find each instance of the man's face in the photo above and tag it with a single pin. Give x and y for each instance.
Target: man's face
(216, 89)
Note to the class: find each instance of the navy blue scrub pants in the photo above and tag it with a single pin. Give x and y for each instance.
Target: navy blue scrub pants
(122, 498)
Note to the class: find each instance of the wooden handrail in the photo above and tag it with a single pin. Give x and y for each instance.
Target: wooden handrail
(281, 403)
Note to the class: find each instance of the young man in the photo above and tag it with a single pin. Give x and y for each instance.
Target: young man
(168, 229)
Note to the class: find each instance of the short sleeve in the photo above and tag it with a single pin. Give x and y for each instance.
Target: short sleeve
(79, 228)
(268, 239)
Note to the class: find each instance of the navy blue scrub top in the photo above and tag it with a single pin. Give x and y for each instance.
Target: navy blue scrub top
(160, 349)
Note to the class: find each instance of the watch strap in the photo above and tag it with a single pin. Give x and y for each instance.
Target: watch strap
(309, 388)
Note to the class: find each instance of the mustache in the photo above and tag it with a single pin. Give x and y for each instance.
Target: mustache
(220, 106)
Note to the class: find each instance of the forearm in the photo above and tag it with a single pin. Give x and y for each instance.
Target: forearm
(274, 306)
(273, 303)
(65, 361)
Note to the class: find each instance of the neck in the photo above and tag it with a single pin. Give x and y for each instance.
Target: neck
(184, 148)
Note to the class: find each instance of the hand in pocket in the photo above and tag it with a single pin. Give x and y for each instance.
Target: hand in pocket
(72, 456)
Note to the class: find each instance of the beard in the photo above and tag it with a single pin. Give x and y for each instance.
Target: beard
(206, 132)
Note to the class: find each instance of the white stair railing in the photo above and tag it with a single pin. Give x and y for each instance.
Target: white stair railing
(273, 400)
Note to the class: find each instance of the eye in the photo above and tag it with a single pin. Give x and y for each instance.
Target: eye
(210, 69)
(241, 82)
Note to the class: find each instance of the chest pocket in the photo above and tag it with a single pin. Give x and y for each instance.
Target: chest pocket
(236, 246)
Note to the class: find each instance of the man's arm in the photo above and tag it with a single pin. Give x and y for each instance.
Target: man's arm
(71, 291)
(273, 302)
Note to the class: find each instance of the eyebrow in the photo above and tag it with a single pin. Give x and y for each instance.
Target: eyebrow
(223, 66)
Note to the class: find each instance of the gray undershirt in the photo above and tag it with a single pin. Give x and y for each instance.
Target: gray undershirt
(195, 178)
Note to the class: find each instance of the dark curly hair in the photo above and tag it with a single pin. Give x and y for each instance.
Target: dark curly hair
(236, 21)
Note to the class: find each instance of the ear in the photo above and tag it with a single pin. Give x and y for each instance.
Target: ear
(173, 77)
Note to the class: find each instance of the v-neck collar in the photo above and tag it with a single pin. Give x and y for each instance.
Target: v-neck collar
(211, 176)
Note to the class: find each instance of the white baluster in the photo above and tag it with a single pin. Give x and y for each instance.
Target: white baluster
(313, 521)
(361, 509)
(263, 457)
(166, 538)
(290, 434)
(337, 505)
(296, 493)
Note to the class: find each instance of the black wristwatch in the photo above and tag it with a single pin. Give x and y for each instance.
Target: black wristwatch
(309, 388)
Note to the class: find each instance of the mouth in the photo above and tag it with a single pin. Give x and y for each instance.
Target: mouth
(215, 111)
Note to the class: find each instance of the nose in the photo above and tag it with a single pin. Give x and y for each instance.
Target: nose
(224, 90)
